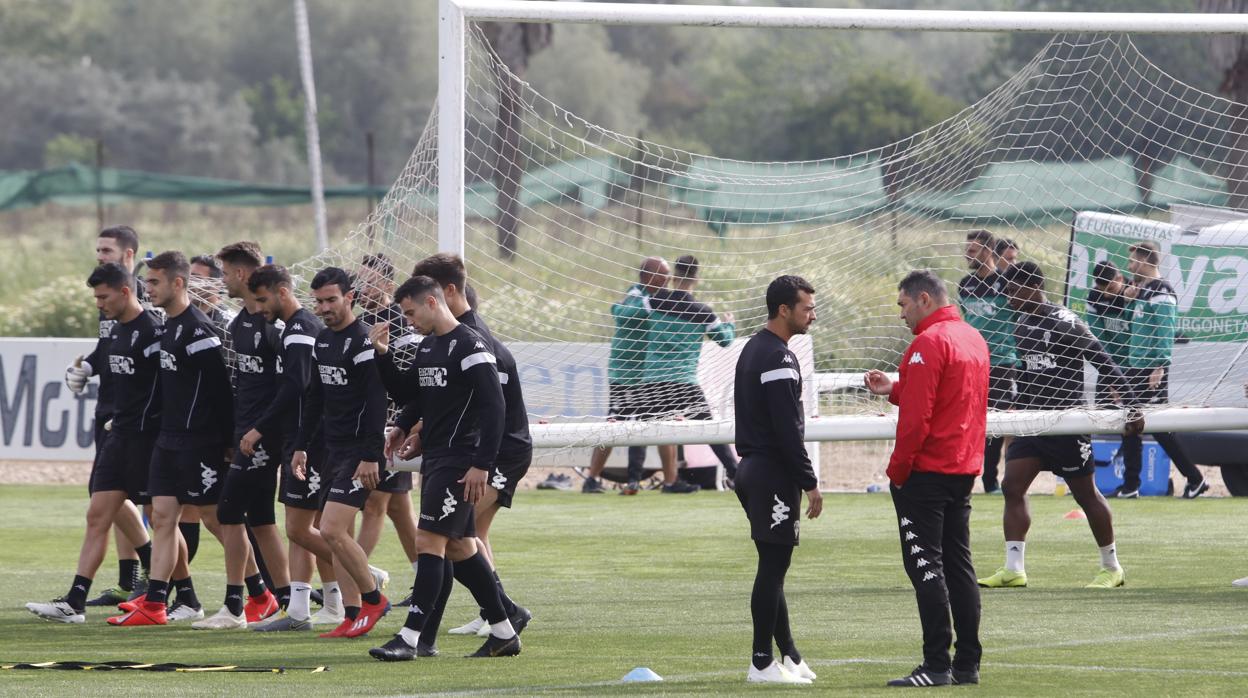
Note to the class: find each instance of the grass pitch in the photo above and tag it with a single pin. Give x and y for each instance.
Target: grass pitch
(663, 581)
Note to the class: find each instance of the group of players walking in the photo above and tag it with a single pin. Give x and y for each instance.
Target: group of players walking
(199, 422)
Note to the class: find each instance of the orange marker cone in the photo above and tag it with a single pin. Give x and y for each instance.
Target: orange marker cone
(1075, 514)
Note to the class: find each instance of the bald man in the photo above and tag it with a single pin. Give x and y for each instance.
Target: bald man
(626, 373)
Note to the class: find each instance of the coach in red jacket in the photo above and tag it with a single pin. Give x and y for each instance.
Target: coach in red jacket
(942, 393)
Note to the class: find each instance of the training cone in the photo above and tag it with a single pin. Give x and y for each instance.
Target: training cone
(640, 674)
(1075, 514)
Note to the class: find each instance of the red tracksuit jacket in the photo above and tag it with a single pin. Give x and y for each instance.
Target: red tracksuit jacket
(942, 391)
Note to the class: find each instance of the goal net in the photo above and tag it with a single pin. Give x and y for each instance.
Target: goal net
(1086, 151)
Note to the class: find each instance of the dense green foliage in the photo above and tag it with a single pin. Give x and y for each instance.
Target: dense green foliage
(664, 582)
(212, 87)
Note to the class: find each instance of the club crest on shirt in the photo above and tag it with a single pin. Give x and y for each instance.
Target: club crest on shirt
(134, 337)
(177, 334)
(451, 348)
(346, 346)
(255, 340)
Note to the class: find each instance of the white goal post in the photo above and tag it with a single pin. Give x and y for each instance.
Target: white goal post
(455, 17)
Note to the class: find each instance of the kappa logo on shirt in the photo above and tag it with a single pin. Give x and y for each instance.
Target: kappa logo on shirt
(199, 332)
(479, 345)
(296, 326)
(779, 512)
(788, 359)
(916, 358)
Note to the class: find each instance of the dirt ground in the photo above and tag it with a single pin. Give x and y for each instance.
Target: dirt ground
(845, 467)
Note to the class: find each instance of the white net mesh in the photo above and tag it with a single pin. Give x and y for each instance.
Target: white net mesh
(562, 212)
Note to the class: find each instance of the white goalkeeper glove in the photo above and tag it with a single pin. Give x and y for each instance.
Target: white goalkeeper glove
(76, 375)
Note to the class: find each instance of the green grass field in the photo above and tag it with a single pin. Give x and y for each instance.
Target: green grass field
(657, 581)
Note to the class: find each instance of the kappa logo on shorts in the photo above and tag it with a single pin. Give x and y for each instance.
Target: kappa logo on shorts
(314, 481)
(499, 482)
(1085, 452)
(448, 505)
(356, 486)
(779, 512)
(207, 476)
(259, 459)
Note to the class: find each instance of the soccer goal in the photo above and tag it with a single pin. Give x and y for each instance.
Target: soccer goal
(1086, 151)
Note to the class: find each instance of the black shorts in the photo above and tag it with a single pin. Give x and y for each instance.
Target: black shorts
(671, 400)
(340, 465)
(122, 465)
(1064, 456)
(772, 503)
(1001, 388)
(507, 475)
(100, 436)
(443, 509)
(624, 401)
(1138, 392)
(193, 475)
(308, 493)
(396, 482)
(247, 496)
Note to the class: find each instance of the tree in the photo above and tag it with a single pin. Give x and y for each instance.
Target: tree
(514, 43)
(1230, 54)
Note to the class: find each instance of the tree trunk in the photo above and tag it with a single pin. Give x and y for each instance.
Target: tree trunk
(513, 43)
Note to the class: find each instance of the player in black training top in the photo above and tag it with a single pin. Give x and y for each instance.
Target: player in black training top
(273, 292)
(120, 471)
(118, 244)
(250, 484)
(454, 388)
(196, 418)
(515, 451)
(375, 284)
(774, 470)
(348, 402)
(1053, 344)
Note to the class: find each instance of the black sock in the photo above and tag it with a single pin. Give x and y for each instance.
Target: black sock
(283, 596)
(351, 612)
(77, 596)
(372, 598)
(190, 531)
(255, 585)
(475, 574)
(434, 620)
(234, 598)
(508, 605)
(145, 556)
(773, 564)
(127, 574)
(186, 592)
(425, 591)
(158, 591)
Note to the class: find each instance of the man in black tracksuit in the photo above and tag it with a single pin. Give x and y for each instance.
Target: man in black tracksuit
(348, 403)
(515, 451)
(273, 291)
(454, 389)
(774, 471)
(119, 245)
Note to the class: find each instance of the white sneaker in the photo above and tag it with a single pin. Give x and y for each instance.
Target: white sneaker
(1242, 582)
(380, 576)
(774, 673)
(327, 616)
(801, 668)
(477, 626)
(222, 620)
(57, 610)
(180, 612)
